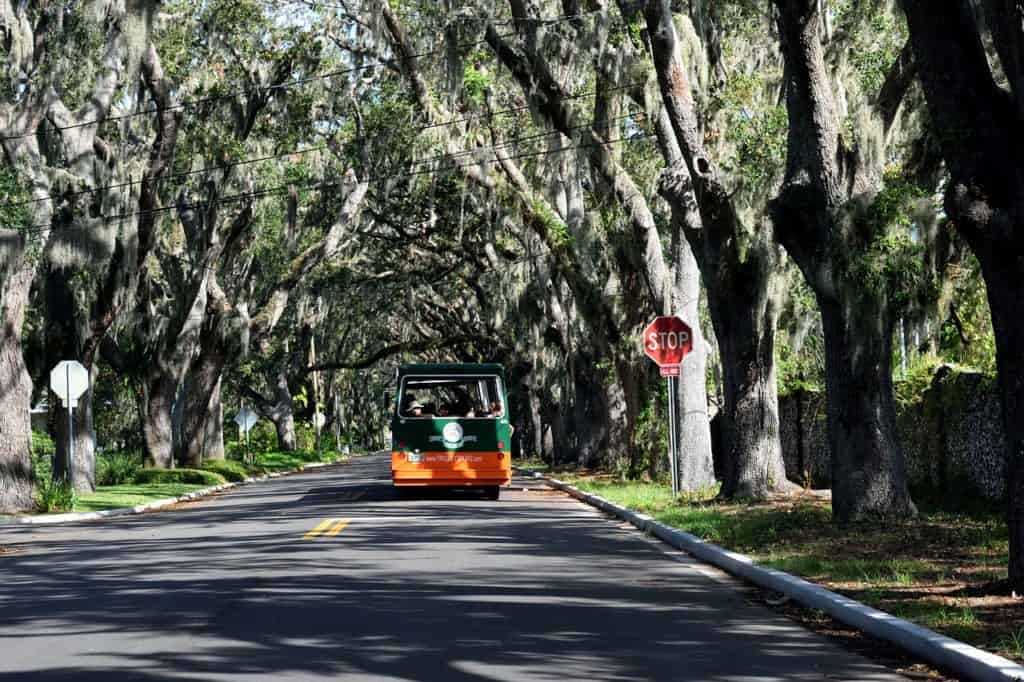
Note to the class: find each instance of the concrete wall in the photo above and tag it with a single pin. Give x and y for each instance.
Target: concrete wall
(952, 437)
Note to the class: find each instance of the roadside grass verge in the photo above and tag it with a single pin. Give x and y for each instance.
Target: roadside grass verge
(270, 462)
(533, 464)
(137, 485)
(944, 570)
(131, 494)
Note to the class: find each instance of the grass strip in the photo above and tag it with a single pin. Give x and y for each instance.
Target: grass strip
(941, 570)
(129, 495)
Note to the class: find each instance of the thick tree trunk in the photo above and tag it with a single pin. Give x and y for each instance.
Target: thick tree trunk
(81, 471)
(696, 460)
(284, 423)
(282, 414)
(634, 393)
(868, 470)
(15, 397)
(64, 341)
(752, 452)
(740, 277)
(202, 426)
(591, 414)
(213, 441)
(1005, 295)
(157, 427)
(743, 304)
(978, 124)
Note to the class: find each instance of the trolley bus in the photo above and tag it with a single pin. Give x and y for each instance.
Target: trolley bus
(450, 427)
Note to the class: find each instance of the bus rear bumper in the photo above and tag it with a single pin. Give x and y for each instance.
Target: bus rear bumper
(451, 469)
(481, 478)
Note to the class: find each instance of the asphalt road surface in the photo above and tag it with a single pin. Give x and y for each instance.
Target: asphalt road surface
(330, 575)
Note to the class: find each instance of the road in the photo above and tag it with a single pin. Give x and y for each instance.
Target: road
(330, 575)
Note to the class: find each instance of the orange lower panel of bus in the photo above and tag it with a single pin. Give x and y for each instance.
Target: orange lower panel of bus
(451, 468)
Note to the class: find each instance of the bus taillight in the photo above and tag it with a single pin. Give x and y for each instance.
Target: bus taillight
(501, 445)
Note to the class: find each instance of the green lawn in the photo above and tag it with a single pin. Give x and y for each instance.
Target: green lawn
(129, 495)
(941, 570)
(533, 464)
(132, 494)
(284, 461)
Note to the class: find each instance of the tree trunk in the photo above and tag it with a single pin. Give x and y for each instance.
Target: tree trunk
(1005, 293)
(15, 425)
(591, 413)
(696, 460)
(157, 427)
(868, 470)
(739, 267)
(978, 124)
(64, 341)
(81, 471)
(822, 179)
(213, 441)
(282, 414)
(202, 427)
(744, 311)
(284, 423)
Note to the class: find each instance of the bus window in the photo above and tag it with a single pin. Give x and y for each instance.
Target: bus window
(451, 397)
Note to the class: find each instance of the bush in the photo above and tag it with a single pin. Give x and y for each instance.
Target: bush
(191, 476)
(54, 496)
(117, 468)
(230, 469)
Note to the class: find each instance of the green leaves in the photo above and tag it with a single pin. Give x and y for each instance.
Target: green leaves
(891, 265)
(476, 83)
(757, 132)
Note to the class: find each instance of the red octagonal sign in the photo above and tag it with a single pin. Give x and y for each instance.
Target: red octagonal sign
(667, 341)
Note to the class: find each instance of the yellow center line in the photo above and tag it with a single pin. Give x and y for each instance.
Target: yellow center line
(338, 527)
(321, 527)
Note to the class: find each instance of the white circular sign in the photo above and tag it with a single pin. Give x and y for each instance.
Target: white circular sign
(452, 433)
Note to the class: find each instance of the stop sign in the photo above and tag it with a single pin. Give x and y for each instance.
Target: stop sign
(667, 341)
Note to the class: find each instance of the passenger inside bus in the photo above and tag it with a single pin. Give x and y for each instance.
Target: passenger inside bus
(446, 398)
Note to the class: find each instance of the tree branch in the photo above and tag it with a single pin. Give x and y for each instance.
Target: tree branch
(394, 349)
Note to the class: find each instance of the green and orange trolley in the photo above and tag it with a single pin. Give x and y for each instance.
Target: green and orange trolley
(450, 427)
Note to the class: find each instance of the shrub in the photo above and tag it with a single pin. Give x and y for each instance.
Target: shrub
(117, 468)
(54, 496)
(231, 470)
(191, 476)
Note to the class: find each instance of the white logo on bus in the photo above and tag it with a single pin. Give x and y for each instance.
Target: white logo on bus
(452, 434)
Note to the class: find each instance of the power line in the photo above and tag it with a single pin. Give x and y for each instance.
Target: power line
(269, 89)
(40, 228)
(234, 164)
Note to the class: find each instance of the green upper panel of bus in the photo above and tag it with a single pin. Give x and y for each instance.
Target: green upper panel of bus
(453, 368)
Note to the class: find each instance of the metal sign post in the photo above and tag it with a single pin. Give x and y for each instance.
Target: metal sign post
(667, 340)
(69, 380)
(246, 419)
(673, 426)
(71, 424)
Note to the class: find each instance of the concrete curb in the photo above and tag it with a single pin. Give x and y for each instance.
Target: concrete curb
(50, 519)
(966, 661)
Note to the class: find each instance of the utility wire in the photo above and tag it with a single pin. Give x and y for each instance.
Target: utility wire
(256, 194)
(308, 150)
(268, 89)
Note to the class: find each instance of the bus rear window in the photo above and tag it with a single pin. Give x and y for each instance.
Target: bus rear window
(450, 397)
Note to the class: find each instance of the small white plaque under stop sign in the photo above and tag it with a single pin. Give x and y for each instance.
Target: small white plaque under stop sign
(246, 419)
(69, 380)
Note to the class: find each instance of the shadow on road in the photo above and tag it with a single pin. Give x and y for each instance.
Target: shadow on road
(449, 588)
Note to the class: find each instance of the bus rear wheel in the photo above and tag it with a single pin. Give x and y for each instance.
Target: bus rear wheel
(492, 492)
